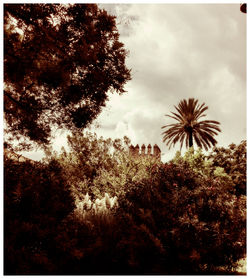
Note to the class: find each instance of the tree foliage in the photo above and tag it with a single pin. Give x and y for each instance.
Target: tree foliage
(202, 165)
(59, 63)
(97, 166)
(37, 200)
(188, 128)
(197, 225)
(233, 160)
(196, 160)
(128, 216)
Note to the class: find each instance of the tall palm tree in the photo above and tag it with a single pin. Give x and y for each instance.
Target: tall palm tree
(188, 127)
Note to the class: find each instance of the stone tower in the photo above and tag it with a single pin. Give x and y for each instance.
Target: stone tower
(132, 151)
(143, 150)
(137, 152)
(157, 151)
(149, 149)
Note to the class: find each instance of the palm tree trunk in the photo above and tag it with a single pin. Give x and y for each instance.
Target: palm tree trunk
(190, 139)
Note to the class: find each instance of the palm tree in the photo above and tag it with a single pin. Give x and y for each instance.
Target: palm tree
(188, 128)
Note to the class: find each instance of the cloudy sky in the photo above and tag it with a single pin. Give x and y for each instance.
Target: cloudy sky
(178, 51)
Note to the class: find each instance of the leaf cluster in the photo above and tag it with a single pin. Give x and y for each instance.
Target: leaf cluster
(189, 128)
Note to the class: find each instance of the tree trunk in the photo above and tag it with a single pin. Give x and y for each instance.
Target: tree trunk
(190, 138)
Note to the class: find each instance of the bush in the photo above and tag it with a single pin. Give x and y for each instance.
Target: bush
(196, 224)
(172, 222)
(36, 201)
(130, 216)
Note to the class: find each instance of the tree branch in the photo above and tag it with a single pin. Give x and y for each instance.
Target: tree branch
(14, 100)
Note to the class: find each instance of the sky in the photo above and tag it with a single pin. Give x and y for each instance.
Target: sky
(177, 51)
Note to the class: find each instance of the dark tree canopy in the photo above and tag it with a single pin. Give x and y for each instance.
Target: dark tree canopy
(60, 61)
(188, 127)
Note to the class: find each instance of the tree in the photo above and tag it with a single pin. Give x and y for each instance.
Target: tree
(97, 166)
(168, 219)
(59, 63)
(193, 225)
(204, 165)
(234, 161)
(189, 128)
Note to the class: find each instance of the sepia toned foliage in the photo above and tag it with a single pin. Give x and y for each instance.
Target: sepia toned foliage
(95, 209)
(197, 225)
(36, 201)
(202, 165)
(60, 61)
(188, 128)
(234, 161)
(97, 166)
(128, 217)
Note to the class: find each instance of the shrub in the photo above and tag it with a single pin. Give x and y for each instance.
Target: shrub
(36, 201)
(198, 225)
(130, 216)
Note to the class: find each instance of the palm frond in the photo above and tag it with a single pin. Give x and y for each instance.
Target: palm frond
(187, 116)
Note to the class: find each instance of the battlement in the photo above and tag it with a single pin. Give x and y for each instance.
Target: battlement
(136, 151)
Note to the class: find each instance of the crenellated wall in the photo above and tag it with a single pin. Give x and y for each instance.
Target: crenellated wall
(136, 151)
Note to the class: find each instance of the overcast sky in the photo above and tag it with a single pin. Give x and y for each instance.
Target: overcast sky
(178, 51)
